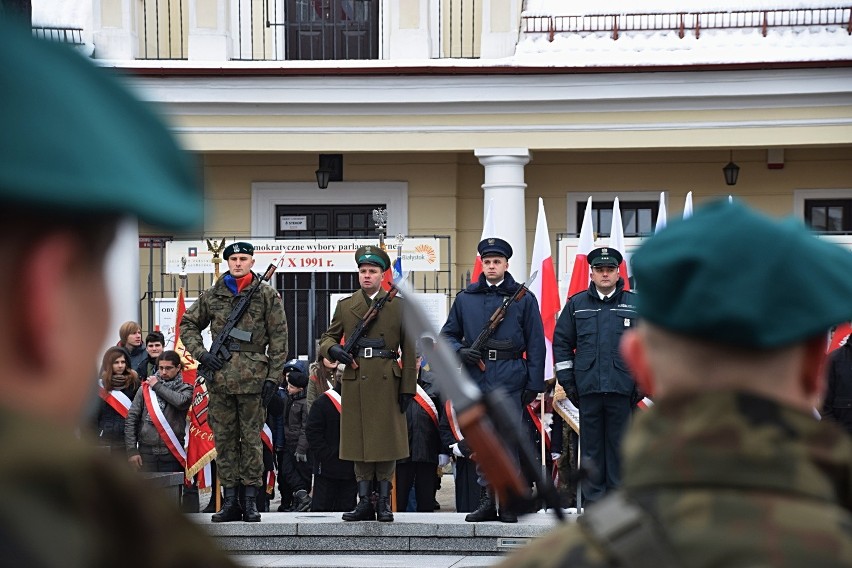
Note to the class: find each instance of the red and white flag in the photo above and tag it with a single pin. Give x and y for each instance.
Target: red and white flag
(580, 273)
(487, 231)
(661, 214)
(545, 287)
(840, 337)
(687, 206)
(200, 444)
(616, 241)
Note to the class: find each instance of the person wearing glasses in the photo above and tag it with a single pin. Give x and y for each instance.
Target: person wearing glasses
(163, 395)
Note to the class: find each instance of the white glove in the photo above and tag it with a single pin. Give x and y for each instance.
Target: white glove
(456, 451)
(555, 456)
(443, 459)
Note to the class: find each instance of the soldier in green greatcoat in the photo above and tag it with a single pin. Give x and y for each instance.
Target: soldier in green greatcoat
(373, 430)
(242, 387)
(78, 156)
(730, 467)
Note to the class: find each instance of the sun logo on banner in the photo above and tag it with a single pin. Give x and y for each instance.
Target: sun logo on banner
(427, 251)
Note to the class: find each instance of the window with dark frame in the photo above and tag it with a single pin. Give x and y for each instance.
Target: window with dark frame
(637, 217)
(829, 215)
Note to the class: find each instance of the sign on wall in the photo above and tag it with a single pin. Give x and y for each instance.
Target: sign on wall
(304, 255)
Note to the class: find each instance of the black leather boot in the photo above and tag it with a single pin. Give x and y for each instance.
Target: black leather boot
(364, 509)
(487, 510)
(383, 511)
(507, 517)
(251, 514)
(231, 510)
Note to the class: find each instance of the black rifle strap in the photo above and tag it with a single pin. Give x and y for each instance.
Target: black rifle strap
(628, 532)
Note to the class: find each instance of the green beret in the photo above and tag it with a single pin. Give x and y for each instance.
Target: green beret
(604, 256)
(238, 248)
(372, 255)
(733, 276)
(73, 139)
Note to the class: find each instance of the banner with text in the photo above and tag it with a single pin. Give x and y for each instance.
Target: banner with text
(305, 255)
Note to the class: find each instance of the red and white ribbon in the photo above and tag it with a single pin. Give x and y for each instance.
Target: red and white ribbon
(453, 421)
(115, 398)
(152, 403)
(425, 401)
(335, 398)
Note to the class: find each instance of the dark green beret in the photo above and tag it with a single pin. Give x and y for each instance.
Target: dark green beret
(372, 255)
(74, 139)
(238, 248)
(604, 256)
(734, 276)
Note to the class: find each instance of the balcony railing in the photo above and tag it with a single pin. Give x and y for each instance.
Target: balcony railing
(690, 22)
(163, 29)
(74, 36)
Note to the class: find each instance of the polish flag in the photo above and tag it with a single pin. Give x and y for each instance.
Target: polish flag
(580, 273)
(487, 231)
(661, 215)
(840, 337)
(190, 365)
(687, 206)
(616, 241)
(545, 287)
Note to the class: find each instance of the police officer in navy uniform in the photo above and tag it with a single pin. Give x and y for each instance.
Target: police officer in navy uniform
(590, 368)
(506, 366)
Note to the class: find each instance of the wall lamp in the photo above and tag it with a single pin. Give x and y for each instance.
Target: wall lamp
(330, 169)
(731, 171)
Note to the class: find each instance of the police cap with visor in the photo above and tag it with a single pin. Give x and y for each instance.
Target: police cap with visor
(604, 256)
(494, 246)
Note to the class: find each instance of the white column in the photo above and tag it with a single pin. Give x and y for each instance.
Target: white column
(209, 32)
(114, 33)
(501, 20)
(409, 33)
(122, 279)
(505, 187)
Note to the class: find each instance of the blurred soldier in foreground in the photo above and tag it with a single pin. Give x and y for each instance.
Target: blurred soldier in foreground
(77, 154)
(729, 468)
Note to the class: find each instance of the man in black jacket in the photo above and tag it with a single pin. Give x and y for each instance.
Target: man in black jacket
(590, 368)
(334, 479)
(838, 395)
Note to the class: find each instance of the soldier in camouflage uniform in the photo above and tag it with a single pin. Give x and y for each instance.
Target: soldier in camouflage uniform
(730, 466)
(63, 501)
(242, 387)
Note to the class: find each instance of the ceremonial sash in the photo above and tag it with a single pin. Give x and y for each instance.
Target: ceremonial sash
(266, 437)
(645, 403)
(538, 426)
(453, 421)
(425, 401)
(335, 398)
(115, 398)
(152, 403)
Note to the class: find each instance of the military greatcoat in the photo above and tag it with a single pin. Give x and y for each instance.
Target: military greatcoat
(372, 428)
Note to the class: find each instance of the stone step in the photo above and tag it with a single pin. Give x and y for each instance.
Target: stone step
(418, 534)
(366, 561)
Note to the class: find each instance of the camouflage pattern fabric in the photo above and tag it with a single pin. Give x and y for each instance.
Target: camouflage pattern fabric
(265, 320)
(734, 480)
(238, 437)
(236, 411)
(65, 503)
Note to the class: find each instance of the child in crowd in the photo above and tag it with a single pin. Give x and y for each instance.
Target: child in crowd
(117, 387)
(293, 468)
(335, 488)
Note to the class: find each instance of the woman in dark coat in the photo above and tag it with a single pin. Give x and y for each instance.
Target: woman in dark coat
(118, 385)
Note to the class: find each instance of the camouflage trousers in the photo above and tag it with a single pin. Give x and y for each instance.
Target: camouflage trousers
(236, 421)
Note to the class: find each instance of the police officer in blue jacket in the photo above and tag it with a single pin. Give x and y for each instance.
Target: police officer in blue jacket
(590, 368)
(505, 365)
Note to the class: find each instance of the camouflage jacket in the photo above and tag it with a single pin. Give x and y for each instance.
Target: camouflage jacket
(265, 320)
(731, 480)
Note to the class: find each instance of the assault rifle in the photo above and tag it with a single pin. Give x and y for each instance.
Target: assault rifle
(497, 318)
(486, 420)
(219, 347)
(351, 344)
